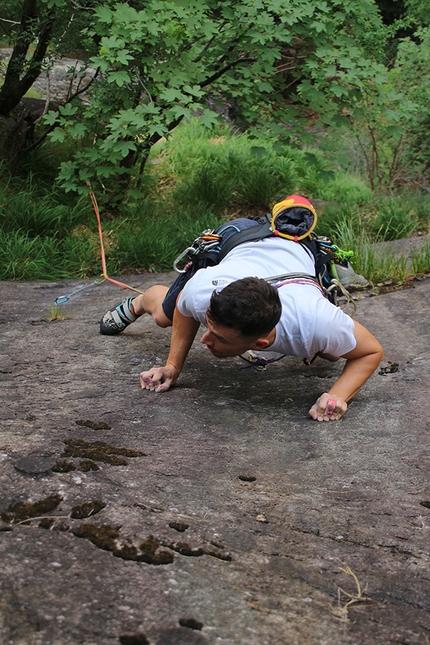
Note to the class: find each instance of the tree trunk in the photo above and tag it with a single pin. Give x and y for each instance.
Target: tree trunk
(20, 75)
(17, 129)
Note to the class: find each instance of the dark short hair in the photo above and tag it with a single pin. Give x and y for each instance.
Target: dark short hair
(250, 305)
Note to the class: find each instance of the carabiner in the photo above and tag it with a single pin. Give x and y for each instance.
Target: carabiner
(188, 251)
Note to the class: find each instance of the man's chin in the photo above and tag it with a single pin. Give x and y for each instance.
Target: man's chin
(221, 354)
(215, 353)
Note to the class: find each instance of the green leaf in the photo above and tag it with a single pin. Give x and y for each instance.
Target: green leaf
(123, 56)
(78, 130)
(50, 117)
(68, 109)
(171, 95)
(124, 147)
(311, 158)
(119, 78)
(104, 14)
(258, 151)
(195, 90)
(57, 135)
(326, 175)
(208, 118)
(158, 128)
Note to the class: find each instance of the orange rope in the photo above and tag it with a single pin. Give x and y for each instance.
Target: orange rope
(102, 249)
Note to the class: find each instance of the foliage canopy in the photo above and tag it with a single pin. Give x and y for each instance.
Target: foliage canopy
(157, 62)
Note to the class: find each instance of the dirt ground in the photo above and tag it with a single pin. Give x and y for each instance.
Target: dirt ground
(216, 513)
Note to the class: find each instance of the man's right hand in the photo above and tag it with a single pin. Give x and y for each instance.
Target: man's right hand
(158, 379)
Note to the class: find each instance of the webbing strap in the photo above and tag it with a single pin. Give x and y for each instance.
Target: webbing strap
(295, 278)
(275, 279)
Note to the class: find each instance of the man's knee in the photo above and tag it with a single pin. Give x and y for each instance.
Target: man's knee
(160, 318)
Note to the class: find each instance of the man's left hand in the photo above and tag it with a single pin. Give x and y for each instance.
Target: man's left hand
(328, 407)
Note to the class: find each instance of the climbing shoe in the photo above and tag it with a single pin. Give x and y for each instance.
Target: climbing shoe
(350, 279)
(115, 321)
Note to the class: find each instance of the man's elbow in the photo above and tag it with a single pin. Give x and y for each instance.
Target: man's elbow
(375, 356)
(379, 354)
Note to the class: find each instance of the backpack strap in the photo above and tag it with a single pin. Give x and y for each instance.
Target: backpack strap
(262, 230)
(257, 232)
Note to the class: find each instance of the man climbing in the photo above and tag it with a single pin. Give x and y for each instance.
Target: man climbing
(244, 308)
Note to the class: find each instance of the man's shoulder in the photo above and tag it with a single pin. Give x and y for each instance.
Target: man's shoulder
(209, 277)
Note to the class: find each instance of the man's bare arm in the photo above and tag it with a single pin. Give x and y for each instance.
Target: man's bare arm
(360, 364)
(160, 379)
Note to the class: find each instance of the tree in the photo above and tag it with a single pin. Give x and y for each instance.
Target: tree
(21, 73)
(413, 65)
(385, 107)
(158, 62)
(41, 31)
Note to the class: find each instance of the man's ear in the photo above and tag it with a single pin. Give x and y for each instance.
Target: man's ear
(261, 343)
(264, 341)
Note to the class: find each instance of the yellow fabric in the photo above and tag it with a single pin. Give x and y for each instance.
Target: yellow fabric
(291, 202)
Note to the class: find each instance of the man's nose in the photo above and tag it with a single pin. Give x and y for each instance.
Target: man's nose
(205, 339)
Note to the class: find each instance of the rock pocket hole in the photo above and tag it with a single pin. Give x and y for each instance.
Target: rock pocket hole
(191, 623)
(99, 451)
(179, 526)
(133, 639)
(247, 478)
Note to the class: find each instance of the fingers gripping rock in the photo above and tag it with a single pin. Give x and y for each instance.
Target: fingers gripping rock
(328, 407)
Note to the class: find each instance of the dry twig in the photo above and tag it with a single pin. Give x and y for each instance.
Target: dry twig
(340, 611)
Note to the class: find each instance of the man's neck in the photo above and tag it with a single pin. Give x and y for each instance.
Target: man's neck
(271, 337)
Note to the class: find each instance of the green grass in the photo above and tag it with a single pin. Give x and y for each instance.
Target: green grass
(219, 171)
(377, 264)
(395, 218)
(41, 215)
(420, 260)
(153, 240)
(200, 178)
(37, 258)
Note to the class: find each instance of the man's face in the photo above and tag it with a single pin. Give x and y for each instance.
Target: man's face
(223, 342)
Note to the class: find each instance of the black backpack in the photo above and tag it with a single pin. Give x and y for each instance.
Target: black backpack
(294, 218)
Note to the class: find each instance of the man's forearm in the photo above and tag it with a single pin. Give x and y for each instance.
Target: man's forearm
(360, 364)
(354, 375)
(184, 330)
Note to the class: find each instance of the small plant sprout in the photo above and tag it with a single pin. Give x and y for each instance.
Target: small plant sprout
(55, 313)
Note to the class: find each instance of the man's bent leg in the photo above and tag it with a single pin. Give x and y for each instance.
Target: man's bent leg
(150, 302)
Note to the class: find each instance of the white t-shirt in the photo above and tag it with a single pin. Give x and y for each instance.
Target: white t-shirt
(309, 322)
